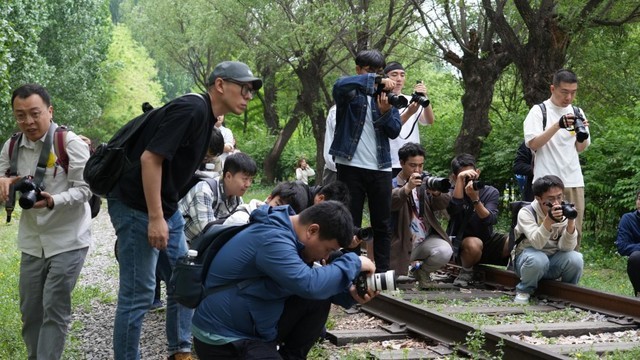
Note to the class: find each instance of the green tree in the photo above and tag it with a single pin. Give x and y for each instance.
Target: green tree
(133, 80)
(21, 23)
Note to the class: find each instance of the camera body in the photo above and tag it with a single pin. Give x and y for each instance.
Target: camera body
(364, 234)
(397, 101)
(581, 131)
(476, 184)
(435, 183)
(376, 282)
(30, 192)
(420, 98)
(569, 210)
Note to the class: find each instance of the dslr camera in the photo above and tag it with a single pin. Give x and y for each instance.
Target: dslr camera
(581, 131)
(397, 101)
(364, 234)
(435, 183)
(476, 184)
(376, 282)
(420, 98)
(30, 192)
(568, 210)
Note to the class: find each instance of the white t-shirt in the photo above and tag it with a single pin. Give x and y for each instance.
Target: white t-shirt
(328, 139)
(559, 155)
(404, 137)
(227, 135)
(365, 156)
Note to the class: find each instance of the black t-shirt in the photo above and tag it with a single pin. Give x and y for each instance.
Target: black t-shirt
(180, 132)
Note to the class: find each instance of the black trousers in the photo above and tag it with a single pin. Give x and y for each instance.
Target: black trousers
(301, 325)
(633, 270)
(375, 187)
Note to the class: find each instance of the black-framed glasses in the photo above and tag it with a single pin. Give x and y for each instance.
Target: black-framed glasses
(244, 87)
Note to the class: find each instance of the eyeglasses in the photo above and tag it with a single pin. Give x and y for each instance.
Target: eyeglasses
(244, 88)
(22, 117)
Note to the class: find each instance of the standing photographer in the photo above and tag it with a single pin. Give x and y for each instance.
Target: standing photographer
(550, 238)
(365, 121)
(419, 111)
(54, 233)
(474, 211)
(553, 132)
(418, 238)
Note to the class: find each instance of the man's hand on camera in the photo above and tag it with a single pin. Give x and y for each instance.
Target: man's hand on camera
(389, 84)
(367, 297)
(5, 184)
(414, 181)
(420, 88)
(383, 103)
(366, 265)
(566, 121)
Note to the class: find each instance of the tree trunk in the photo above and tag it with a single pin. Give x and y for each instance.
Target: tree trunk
(479, 77)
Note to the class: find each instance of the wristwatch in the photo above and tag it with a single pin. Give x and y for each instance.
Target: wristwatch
(475, 202)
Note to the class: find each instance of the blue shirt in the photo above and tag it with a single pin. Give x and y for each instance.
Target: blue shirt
(350, 94)
(267, 251)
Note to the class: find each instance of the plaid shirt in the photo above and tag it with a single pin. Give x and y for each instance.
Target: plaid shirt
(202, 205)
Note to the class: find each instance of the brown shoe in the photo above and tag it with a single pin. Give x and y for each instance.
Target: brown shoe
(180, 356)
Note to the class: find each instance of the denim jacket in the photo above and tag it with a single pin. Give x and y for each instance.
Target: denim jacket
(350, 94)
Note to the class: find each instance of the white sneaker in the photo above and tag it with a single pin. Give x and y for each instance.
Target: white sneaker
(522, 298)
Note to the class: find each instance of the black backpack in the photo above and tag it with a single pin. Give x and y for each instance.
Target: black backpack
(188, 276)
(515, 207)
(109, 161)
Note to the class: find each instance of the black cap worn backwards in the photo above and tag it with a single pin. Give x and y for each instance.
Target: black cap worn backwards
(234, 70)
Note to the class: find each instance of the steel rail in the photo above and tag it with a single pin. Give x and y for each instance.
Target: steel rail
(450, 331)
(606, 303)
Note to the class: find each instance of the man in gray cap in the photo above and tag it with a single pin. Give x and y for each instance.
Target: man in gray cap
(144, 203)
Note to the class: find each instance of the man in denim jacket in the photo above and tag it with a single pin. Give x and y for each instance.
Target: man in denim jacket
(365, 121)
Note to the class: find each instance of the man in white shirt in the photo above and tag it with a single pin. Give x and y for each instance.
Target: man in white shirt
(229, 141)
(55, 226)
(551, 130)
(329, 174)
(412, 114)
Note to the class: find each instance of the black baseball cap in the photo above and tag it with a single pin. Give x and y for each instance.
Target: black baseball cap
(234, 70)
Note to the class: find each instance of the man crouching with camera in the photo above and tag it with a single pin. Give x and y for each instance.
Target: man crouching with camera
(419, 243)
(266, 263)
(474, 211)
(550, 236)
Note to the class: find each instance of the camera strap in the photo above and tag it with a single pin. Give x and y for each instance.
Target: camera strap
(40, 167)
(38, 177)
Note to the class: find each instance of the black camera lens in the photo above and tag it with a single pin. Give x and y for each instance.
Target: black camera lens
(28, 199)
(397, 101)
(569, 211)
(435, 183)
(581, 131)
(364, 234)
(421, 99)
(477, 184)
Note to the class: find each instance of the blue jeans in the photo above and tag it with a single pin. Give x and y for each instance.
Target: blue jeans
(533, 265)
(138, 280)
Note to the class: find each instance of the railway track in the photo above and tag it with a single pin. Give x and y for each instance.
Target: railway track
(448, 317)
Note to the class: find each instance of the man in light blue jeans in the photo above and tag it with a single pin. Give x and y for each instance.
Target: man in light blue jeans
(549, 239)
(143, 205)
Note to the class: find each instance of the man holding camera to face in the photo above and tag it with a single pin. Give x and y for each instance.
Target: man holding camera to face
(54, 233)
(474, 211)
(557, 132)
(419, 111)
(418, 240)
(365, 121)
(548, 238)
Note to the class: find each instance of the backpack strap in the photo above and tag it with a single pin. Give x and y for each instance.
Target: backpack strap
(543, 107)
(60, 147)
(13, 154)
